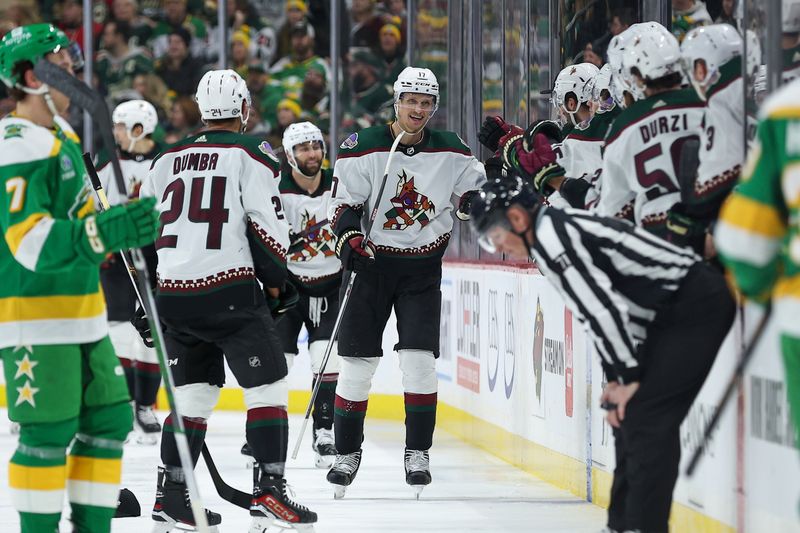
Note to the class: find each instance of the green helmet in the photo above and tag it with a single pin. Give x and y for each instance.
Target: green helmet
(28, 43)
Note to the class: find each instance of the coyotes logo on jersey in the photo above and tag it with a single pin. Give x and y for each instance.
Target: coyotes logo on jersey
(408, 206)
(315, 238)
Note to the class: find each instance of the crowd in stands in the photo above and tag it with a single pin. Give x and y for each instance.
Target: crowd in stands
(159, 49)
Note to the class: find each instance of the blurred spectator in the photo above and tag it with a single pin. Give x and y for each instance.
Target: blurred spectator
(727, 14)
(153, 89)
(391, 52)
(314, 99)
(184, 119)
(128, 11)
(18, 13)
(179, 70)
(590, 56)
(175, 16)
(365, 24)
(255, 124)
(257, 83)
(688, 14)
(288, 112)
(296, 11)
(288, 75)
(620, 21)
(370, 92)
(117, 63)
(70, 21)
(396, 8)
(240, 53)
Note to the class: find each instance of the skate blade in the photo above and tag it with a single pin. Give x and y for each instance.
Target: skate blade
(177, 527)
(263, 524)
(324, 461)
(417, 490)
(338, 491)
(146, 439)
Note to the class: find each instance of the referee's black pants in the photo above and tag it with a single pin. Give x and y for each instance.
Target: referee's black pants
(682, 343)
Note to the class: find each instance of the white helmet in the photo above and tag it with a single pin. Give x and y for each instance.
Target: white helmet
(577, 80)
(655, 53)
(300, 133)
(417, 80)
(220, 95)
(620, 79)
(790, 16)
(602, 82)
(135, 112)
(715, 45)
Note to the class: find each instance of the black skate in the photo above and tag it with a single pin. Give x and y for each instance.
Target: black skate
(146, 424)
(343, 472)
(324, 448)
(173, 507)
(272, 505)
(418, 470)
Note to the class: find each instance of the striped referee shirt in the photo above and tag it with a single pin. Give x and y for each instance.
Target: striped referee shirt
(613, 276)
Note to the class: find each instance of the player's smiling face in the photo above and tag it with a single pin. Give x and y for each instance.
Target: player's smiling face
(309, 157)
(414, 110)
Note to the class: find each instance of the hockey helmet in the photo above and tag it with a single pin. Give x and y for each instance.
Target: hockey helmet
(417, 80)
(220, 95)
(576, 80)
(654, 53)
(620, 79)
(32, 43)
(300, 133)
(135, 112)
(489, 206)
(716, 45)
(602, 82)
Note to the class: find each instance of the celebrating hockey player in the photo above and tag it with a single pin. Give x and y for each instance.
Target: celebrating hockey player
(223, 235)
(314, 269)
(64, 385)
(758, 236)
(712, 60)
(656, 313)
(400, 267)
(134, 122)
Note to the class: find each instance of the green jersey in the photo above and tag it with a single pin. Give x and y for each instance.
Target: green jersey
(50, 292)
(117, 74)
(758, 234)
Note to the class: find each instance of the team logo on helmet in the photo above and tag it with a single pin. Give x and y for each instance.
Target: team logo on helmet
(350, 142)
(408, 206)
(315, 238)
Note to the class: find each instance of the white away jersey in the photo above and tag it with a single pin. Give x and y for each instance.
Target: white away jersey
(414, 214)
(135, 168)
(221, 223)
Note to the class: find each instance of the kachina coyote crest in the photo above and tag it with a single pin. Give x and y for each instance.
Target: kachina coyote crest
(315, 238)
(408, 206)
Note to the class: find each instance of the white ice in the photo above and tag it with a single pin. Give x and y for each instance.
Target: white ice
(472, 491)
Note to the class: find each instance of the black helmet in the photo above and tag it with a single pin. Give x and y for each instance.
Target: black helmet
(495, 197)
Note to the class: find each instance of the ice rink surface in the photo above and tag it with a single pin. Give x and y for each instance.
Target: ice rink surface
(472, 491)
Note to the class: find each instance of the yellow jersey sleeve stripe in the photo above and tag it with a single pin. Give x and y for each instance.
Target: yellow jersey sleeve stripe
(18, 308)
(37, 477)
(784, 112)
(753, 216)
(17, 232)
(55, 149)
(94, 469)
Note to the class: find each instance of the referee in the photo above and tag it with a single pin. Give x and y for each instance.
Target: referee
(656, 313)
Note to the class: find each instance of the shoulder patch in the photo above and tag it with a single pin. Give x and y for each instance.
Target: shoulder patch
(14, 130)
(350, 142)
(265, 148)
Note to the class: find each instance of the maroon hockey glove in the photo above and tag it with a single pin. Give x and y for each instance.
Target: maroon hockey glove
(356, 255)
(493, 129)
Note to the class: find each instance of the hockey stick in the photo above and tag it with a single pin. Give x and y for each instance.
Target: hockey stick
(82, 96)
(738, 373)
(225, 491)
(345, 298)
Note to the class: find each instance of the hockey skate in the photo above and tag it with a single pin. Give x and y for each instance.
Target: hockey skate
(273, 507)
(173, 511)
(146, 425)
(324, 448)
(343, 472)
(418, 470)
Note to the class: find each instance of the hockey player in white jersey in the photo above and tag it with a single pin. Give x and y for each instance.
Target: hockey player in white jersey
(134, 122)
(712, 61)
(314, 269)
(223, 235)
(400, 268)
(649, 144)
(790, 40)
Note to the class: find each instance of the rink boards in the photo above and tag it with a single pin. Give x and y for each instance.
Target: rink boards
(518, 380)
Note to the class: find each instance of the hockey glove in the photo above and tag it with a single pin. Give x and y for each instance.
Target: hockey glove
(464, 205)
(527, 161)
(287, 298)
(356, 255)
(684, 230)
(121, 227)
(543, 177)
(142, 325)
(495, 170)
(493, 129)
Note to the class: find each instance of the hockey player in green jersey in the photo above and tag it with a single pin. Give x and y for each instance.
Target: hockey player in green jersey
(64, 384)
(758, 234)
